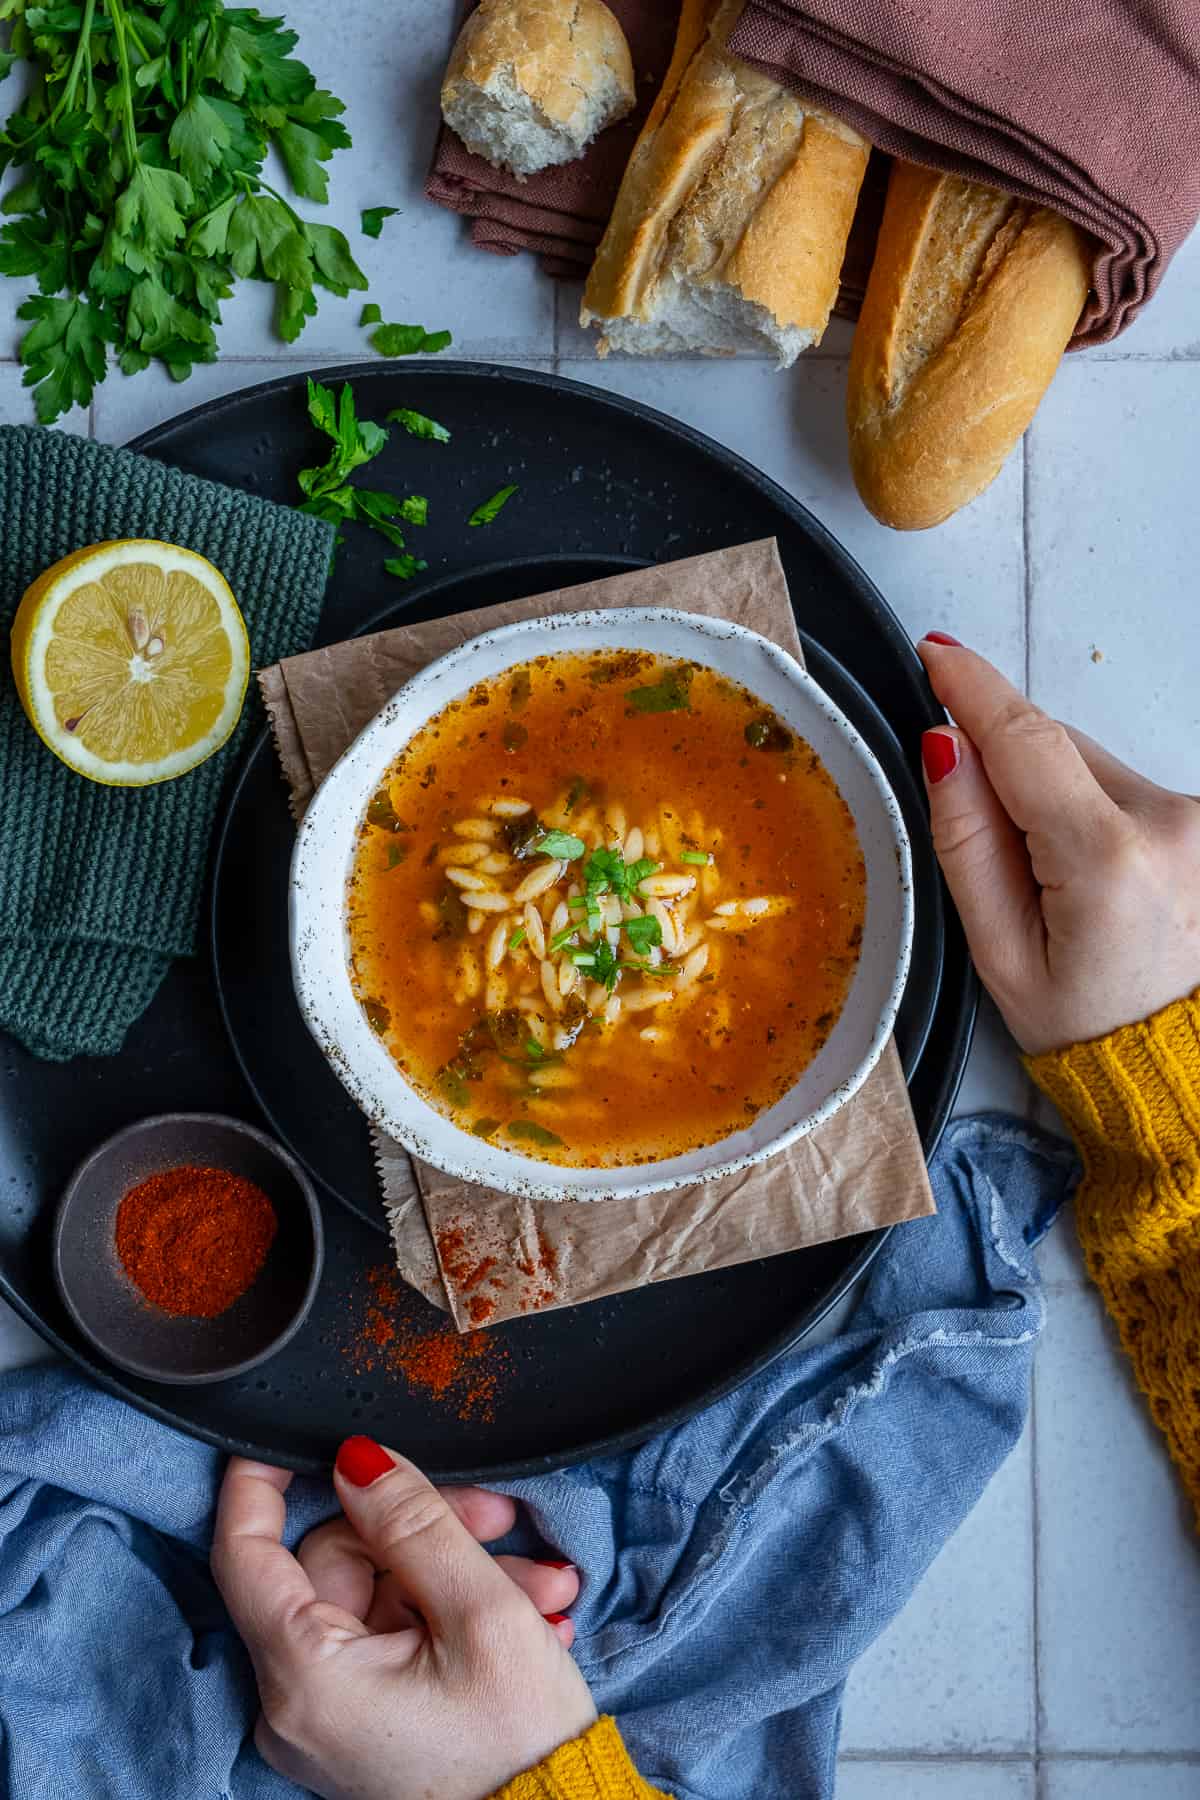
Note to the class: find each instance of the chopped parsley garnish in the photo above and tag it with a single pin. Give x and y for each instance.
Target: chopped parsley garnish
(415, 423)
(381, 813)
(485, 1128)
(537, 1134)
(373, 217)
(517, 938)
(408, 340)
(515, 736)
(578, 790)
(643, 934)
(559, 844)
(379, 1017)
(520, 688)
(396, 854)
(659, 971)
(605, 967)
(701, 858)
(483, 515)
(328, 491)
(768, 733)
(668, 695)
(370, 314)
(453, 1084)
(404, 566)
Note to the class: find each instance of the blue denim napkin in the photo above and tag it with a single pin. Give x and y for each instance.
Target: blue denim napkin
(734, 1569)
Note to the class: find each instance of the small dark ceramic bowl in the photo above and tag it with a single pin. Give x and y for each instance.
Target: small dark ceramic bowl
(109, 1309)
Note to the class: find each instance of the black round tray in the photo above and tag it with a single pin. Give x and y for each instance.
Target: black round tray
(603, 482)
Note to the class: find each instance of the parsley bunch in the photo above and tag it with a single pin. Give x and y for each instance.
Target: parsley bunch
(143, 137)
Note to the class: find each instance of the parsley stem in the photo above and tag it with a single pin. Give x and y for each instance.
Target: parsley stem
(247, 175)
(82, 49)
(128, 128)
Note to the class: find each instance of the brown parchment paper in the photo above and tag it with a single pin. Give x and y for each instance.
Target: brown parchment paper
(492, 1256)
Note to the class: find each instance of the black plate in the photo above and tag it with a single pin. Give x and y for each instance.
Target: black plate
(292, 1082)
(600, 477)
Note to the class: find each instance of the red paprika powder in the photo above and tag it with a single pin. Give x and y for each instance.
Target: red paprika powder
(193, 1239)
(460, 1370)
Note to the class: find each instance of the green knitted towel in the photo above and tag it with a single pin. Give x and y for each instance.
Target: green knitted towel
(100, 887)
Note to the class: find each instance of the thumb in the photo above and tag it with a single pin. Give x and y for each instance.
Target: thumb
(411, 1532)
(986, 863)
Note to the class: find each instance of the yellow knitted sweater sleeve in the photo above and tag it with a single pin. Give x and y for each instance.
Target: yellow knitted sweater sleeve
(1132, 1101)
(595, 1766)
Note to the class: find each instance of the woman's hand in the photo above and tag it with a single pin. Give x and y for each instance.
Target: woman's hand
(395, 1658)
(1078, 881)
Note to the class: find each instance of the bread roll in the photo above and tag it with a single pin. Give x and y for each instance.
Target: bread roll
(530, 82)
(972, 299)
(732, 217)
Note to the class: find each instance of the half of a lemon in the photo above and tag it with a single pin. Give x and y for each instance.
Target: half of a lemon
(131, 660)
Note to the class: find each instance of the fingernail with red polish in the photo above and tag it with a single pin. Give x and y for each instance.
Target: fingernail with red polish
(942, 637)
(555, 1618)
(361, 1460)
(939, 753)
(545, 1563)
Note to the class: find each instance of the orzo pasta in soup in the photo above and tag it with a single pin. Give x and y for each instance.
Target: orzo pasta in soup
(605, 909)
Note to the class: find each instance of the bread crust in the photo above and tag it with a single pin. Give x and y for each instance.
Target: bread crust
(731, 181)
(972, 299)
(557, 50)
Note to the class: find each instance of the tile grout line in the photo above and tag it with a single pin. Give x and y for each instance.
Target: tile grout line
(1019, 1759)
(1027, 578)
(1035, 1570)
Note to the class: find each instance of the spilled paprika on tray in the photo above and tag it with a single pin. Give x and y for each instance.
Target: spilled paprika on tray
(193, 1239)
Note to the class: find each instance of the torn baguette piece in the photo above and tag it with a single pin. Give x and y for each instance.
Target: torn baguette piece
(531, 82)
(972, 298)
(731, 221)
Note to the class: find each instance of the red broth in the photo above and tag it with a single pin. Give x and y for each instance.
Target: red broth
(697, 925)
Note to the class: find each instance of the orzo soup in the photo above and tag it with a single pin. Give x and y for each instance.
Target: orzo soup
(605, 909)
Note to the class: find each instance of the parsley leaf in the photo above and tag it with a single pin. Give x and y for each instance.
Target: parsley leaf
(643, 934)
(668, 695)
(63, 351)
(373, 217)
(370, 315)
(415, 423)
(559, 844)
(405, 566)
(529, 1128)
(483, 515)
(408, 340)
(606, 967)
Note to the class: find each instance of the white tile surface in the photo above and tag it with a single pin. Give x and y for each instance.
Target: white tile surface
(994, 1076)
(1113, 530)
(1118, 1556)
(935, 1781)
(1114, 535)
(954, 1672)
(792, 426)
(420, 268)
(1126, 1780)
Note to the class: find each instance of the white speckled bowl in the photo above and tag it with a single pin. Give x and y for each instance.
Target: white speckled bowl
(324, 855)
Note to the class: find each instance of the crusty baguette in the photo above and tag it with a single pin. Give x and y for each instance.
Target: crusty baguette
(732, 217)
(530, 82)
(972, 299)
